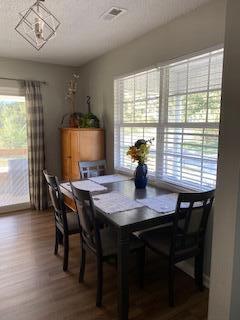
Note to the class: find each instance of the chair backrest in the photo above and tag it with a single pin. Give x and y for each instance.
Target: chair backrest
(89, 226)
(57, 200)
(90, 169)
(190, 223)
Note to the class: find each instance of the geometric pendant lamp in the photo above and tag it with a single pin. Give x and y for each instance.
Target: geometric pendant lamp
(37, 25)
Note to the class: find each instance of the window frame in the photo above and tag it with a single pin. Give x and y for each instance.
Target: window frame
(162, 123)
(6, 90)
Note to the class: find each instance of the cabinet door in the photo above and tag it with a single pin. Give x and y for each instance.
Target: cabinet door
(75, 154)
(91, 145)
(66, 168)
(66, 154)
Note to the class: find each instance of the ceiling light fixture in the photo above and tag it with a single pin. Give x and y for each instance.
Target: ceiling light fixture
(37, 25)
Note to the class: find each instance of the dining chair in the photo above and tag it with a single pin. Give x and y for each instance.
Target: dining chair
(66, 221)
(102, 242)
(184, 239)
(90, 169)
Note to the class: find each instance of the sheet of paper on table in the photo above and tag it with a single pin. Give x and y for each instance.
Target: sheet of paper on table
(164, 204)
(110, 178)
(113, 202)
(85, 185)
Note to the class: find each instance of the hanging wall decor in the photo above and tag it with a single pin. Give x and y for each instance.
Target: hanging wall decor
(37, 25)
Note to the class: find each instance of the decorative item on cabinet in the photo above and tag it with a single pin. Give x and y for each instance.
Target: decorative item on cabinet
(89, 120)
(71, 120)
(72, 90)
(73, 117)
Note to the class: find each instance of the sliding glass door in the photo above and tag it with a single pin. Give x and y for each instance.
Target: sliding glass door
(14, 189)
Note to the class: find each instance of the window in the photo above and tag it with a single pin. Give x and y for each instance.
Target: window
(179, 105)
(14, 188)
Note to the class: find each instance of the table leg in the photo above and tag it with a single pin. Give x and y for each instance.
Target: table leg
(123, 252)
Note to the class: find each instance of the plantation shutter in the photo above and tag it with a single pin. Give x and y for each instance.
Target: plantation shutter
(136, 116)
(179, 105)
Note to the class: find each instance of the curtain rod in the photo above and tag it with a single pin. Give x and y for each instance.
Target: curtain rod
(15, 79)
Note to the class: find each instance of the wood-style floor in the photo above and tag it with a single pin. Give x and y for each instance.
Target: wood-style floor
(33, 285)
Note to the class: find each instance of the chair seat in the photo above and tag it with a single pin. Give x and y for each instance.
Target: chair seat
(109, 242)
(73, 222)
(158, 239)
(140, 232)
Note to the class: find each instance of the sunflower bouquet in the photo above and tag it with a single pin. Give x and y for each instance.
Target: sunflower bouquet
(140, 150)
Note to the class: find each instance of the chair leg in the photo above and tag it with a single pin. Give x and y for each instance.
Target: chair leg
(171, 276)
(60, 237)
(140, 265)
(82, 264)
(66, 251)
(99, 281)
(56, 242)
(199, 271)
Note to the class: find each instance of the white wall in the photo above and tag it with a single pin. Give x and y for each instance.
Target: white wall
(225, 270)
(53, 99)
(198, 30)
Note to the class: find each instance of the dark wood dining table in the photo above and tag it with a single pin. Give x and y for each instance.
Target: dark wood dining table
(125, 223)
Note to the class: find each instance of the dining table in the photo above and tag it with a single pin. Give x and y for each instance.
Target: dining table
(125, 223)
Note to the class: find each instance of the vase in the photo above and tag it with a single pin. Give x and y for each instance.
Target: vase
(140, 177)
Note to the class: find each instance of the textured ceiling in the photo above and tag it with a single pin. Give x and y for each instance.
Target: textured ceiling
(83, 35)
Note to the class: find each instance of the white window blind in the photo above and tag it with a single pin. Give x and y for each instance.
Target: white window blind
(179, 105)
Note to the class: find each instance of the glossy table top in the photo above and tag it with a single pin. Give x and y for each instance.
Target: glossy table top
(133, 219)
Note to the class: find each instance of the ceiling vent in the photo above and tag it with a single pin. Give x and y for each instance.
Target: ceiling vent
(113, 13)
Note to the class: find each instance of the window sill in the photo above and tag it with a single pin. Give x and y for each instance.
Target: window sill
(152, 181)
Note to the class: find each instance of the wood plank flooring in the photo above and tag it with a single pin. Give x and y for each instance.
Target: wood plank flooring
(34, 287)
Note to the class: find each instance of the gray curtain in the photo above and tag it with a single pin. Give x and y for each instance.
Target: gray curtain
(36, 152)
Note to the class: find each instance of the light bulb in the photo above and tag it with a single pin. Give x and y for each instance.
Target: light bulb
(38, 28)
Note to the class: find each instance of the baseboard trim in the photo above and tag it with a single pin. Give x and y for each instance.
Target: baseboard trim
(188, 268)
(14, 208)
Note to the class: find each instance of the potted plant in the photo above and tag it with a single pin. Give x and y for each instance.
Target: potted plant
(89, 120)
(139, 152)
